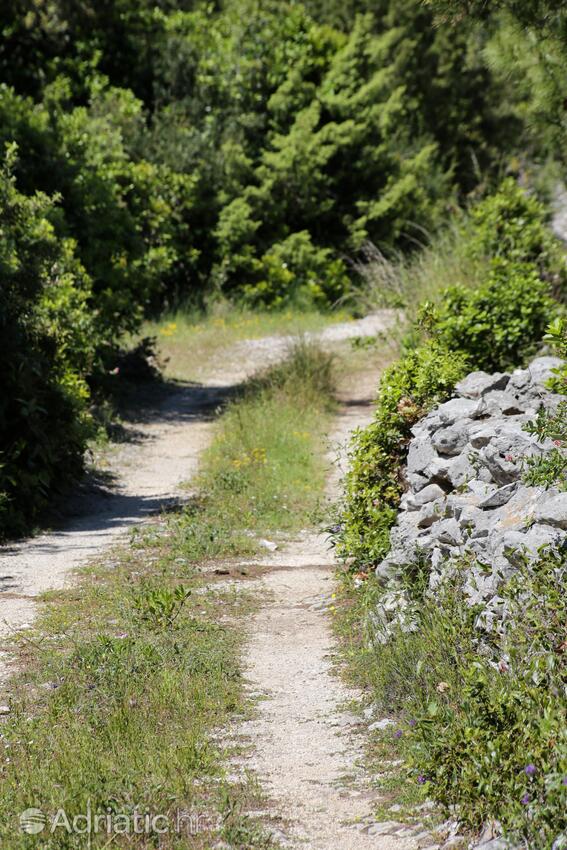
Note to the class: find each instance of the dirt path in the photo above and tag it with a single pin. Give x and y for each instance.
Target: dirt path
(148, 471)
(306, 745)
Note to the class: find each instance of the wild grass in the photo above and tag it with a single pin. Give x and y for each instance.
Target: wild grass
(125, 678)
(191, 342)
(406, 281)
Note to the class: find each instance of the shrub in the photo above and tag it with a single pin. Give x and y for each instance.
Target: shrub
(374, 484)
(551, 468)
(47, 347)
(511, 224)
(295, 270)
(498, 325)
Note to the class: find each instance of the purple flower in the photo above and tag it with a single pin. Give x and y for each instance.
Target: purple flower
(421, 779)
(398, 733)
(564, 780)
(412, 722)
(530, 770)
(525, 799)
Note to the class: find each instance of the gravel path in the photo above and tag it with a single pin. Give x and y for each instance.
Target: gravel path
(307, 747)
(148, 473)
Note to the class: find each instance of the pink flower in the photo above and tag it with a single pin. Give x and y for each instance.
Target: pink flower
(114, 371)
(509, 458)
(557, 443)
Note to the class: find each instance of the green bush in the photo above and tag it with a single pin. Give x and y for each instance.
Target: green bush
(512, 224)
(550, 469)
(500, 324)
(374, 485)
(47, 348)
(296, 270)
(127, 216)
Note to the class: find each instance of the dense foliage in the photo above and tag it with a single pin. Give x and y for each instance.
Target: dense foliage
(374, 485)
(525, 42)
(245, 149)
(46, 348)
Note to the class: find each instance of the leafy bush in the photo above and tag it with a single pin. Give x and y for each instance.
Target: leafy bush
(298, 271)
(127, 216)
(512, 224)
(47, 347)
(498, 325)
(374, 484)
(551, 468)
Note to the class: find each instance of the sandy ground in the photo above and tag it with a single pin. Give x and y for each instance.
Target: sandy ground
(148, 471)
(306, 745)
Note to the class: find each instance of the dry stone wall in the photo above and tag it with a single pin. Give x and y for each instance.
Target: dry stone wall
(465, 493)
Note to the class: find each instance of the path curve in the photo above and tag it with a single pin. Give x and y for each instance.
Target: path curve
(149, 471)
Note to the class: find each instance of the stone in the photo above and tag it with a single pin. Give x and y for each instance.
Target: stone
(481, 435)
(541, 369)
(503, 456)
(428, 494)
(465, 496)
(495, 844)
(432, 512)
(5, 709)
(421, 453)
(461, 470)
(477, 384)
(500, 402)
(450, 441)
(379, 725)
(515, 545)
(458, 408)
(416, 481)
(387, 570)
(384, 828)
(552, 511)
(480, 489)
(447, 531)
(499, 498)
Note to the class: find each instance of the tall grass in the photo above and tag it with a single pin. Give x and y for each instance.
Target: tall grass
(265, 469)
(406, 281)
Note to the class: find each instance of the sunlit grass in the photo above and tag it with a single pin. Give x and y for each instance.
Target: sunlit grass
(192, 343)
(406, 281)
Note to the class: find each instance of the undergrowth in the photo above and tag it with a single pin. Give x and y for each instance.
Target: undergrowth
(480, 715)
(494, 325)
